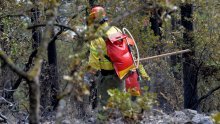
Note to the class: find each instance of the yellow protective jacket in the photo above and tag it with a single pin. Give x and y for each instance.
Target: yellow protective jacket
(98, 51)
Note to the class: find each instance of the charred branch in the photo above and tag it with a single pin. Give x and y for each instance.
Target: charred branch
(27, 67)
(58, 25)
(56, 36)
(207, 95)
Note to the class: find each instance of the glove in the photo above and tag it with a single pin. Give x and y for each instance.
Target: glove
(143, 72)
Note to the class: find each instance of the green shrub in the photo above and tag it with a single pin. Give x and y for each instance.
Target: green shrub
(121, 102)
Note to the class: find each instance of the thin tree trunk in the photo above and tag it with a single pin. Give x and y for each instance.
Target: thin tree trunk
(36, 33)
(34, 100)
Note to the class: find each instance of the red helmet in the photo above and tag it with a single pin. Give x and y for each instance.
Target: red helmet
(97, 13)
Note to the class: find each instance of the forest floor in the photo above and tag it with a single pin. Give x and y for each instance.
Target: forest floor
(83, 114)
(154, 116)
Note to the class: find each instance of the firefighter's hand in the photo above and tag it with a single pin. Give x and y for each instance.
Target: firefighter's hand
(92, 71)
(146, 78)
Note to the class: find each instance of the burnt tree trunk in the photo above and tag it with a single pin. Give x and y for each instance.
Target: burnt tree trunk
(190, 73)
(53, 72)
(36, 33)
(156, 22)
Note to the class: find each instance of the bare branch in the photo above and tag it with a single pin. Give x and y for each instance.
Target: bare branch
(4, 118)
(67, 91)
(207, 95)
(76, 14)
(11, 65)
(128, 13)
(58, 33)
(12, 15)
(58, 25)
(27, 67)
(10, 104)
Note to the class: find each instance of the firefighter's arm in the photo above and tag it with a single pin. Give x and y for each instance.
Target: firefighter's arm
(143, 72)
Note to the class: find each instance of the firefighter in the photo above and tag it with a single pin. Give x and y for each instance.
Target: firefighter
(98, 58)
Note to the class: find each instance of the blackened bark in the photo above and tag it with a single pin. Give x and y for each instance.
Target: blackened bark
(190, 73)
(1, 28)
(36, 33)
(156, 22)
(53, 71)
(18, 81)
(92, 3)
(207, 95)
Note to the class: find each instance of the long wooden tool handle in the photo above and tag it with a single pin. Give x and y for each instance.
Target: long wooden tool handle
(166, 54)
